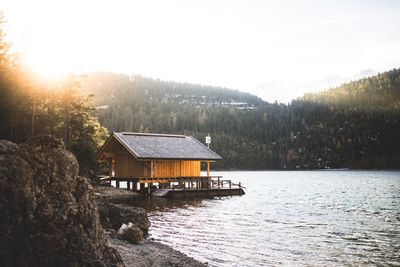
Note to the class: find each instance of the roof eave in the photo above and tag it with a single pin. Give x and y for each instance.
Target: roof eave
(194, 159)
(122, 142)
(97, 157)
(206, 147)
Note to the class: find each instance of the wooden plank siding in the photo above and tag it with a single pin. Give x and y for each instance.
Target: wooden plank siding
(128, 166)
(176, 168)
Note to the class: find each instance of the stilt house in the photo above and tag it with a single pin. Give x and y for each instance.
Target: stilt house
(155, 157)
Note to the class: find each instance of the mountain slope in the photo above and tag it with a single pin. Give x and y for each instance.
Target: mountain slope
(356, 125)
(106, 85)
(381, 91)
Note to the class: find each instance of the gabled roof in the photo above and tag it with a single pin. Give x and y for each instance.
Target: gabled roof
(164, 146)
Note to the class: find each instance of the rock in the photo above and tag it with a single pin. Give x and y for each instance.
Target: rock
(114, 194)
(114, 215)
(48, 213)
(130, 233)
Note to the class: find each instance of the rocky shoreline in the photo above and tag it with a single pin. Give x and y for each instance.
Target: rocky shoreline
(151, 253)
(138, 251)
(49, 215)
(53, 217)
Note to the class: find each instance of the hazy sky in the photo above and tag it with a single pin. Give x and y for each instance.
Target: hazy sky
(244, 45)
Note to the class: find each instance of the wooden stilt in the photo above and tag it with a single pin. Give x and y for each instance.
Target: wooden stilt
(112, 166)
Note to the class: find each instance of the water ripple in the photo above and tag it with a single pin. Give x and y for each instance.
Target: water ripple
(289, 218)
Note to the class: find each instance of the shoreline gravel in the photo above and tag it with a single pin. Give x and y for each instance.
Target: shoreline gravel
(151, 253)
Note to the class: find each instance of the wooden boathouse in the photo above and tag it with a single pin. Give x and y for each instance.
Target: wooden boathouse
(169, 163)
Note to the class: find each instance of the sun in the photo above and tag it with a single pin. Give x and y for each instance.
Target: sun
(50, 43)
(48, 68)
(49, 57)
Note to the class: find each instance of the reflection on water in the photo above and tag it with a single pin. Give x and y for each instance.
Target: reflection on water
(159, 204)
(309, 218)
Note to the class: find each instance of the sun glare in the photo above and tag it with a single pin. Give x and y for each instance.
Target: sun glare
(49, 69)
(237, 45)
(52, 44)
(50, 56)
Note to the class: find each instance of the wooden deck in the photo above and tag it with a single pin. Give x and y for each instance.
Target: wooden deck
(181, 186)
(202, 192)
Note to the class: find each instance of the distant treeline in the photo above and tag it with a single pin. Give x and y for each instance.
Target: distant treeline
(356, 125)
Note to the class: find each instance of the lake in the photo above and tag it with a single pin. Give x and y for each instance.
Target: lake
(297, 218)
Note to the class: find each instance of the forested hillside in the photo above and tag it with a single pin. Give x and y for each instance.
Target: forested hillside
(380, 92)
(356, 125)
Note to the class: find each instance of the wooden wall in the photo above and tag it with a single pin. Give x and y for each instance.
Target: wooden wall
(128, 166)
(176, 168)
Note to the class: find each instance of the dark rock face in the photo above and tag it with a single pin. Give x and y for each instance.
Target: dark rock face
(48, 213)
(112, 216)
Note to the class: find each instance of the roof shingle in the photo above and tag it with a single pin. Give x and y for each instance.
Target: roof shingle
(162, 146)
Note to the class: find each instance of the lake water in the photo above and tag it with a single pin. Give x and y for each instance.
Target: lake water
(289, 218)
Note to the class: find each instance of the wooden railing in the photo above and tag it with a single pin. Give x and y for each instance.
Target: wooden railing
(185, 182)
(159, 179)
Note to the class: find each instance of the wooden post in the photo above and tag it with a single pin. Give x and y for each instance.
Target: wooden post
(112, 167)
(117, 183)
(208, 168)
(141, 186)
(218, 183)
(152, 169)
(128, 184)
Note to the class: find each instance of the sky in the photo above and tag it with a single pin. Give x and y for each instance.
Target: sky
(274, 49)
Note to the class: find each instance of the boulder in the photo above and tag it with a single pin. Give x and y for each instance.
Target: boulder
(114, 215)
(48, 213)
(130, 233)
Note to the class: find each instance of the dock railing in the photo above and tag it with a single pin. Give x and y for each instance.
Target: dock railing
(184, 182)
